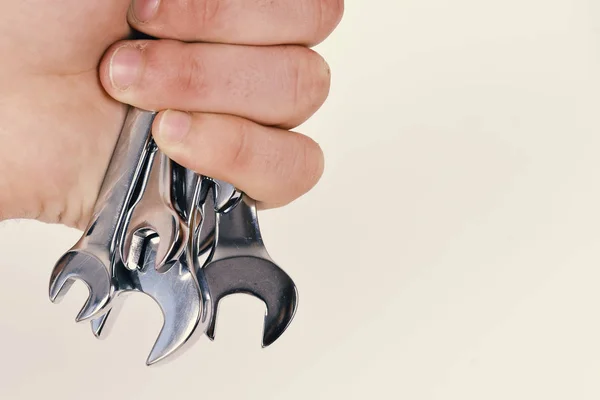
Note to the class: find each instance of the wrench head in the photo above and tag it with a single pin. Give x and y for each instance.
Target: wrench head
(178, 296)
(86, 267)
(260, 278)
(170, 232)
(155, 214)
(100, 324)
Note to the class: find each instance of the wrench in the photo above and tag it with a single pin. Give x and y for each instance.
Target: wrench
(182, 300)
(240, 263)
(91, 259)
(176, 292)
(156, 213)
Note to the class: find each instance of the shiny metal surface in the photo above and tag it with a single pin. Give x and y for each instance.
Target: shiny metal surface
(159, 212)
(176, 292)
(205, 225)
(182, 239)
(240, 263)
(91, 259)
(226, 195)
(182, 300)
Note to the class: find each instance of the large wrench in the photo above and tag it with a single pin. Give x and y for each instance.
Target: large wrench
(182, 300)
(240, 263)
(92, 258)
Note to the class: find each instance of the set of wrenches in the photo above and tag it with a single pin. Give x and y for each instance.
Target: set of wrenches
(184, 239)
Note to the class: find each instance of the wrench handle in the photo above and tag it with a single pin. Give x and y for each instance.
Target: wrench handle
(120, 180)
(238, 232)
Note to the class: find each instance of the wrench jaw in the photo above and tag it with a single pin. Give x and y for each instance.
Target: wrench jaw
(171, 240)
(277, 322)
(240, 263)
(100, 325)
(83, 266)
(156, 213)
(260, 278)
(180, 323)
(183, 306)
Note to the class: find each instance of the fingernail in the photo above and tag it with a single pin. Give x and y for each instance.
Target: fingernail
(144, 10)
(174, 126)
(125, 66)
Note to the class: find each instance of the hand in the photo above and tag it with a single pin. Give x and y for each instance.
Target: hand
(250, 79)
(58, 126)
(233, 77)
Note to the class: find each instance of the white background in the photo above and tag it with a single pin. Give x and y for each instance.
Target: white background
(451, 250)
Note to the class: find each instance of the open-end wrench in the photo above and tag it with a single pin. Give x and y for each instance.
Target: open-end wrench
(240, 263)
(158, 213)
(176, 292)
(92, 258)
(182, 300)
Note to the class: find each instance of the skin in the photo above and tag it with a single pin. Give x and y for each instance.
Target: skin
(231, 79)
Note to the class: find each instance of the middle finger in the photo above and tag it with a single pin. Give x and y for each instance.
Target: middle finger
(275, 85)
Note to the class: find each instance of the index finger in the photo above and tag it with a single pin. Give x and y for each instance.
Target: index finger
(249, 22)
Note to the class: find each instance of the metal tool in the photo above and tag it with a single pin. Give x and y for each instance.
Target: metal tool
(185, 240)
(91, 259)
(240, 263)
(159, 212)
(176, 292)
(183, 302)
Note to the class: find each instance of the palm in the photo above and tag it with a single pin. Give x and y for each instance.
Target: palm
(58, 124)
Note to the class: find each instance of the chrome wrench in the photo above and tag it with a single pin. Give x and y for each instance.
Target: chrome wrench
(159, 212)
(183, 302)
(239, 263)
(92, 258)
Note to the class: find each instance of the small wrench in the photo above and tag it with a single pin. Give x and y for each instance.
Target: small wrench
(183, 302)
(156, 213)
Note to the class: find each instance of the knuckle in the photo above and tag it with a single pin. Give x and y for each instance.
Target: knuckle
(204, 12)
(307, 79)
(295, 77)
(191, 77)
(329, 14)
(236, 154)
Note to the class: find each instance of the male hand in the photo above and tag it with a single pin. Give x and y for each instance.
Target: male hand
(229, 77)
